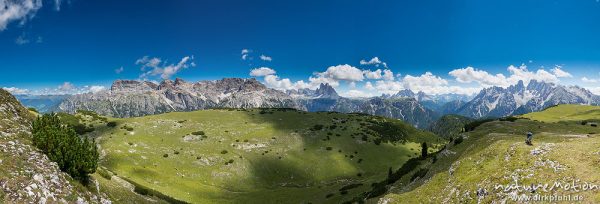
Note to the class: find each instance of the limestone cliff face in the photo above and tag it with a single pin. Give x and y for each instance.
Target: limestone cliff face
(136, 98)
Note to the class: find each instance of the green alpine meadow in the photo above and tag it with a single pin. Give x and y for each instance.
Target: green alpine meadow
(299, 102)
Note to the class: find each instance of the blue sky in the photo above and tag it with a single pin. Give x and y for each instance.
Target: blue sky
(77, 43)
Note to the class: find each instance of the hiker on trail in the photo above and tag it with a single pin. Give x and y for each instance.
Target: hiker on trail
(529, 138)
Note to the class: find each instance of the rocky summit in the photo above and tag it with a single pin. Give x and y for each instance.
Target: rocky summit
(128, 98)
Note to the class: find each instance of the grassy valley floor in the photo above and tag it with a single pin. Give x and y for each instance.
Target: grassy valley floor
(257, 156)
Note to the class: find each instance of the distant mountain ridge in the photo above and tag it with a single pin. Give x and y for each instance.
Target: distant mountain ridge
(129, 98)
(520, 99)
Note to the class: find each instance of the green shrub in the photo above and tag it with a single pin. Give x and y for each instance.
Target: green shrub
(198, 133)
(317, 127)
(458, 140)
(111, 124)
(224, 152)
(76, 156)
(509, 118)
(424, 150)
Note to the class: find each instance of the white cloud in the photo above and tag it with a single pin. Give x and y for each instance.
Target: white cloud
(343, 72)
(427, 79)
(119, 70)
(388, 75)
(157, 67)
(373, 74)
(379, 74)
(273, 81)
(521, 73)
(263, 71)
(16, 91)
(369, 86)
(96, 89)
(470, 74)
(594, 90)
(427, 82)
(20, 10)
(374, 61)
(356, 94)
(245, 53)
(587, 80)
(67, 86)
(265, 58)
(557, 70)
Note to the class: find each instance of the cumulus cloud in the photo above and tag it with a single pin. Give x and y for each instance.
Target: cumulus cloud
(155, 67)
(388, 75)
(16, 91)
(273, 81)
(343, 72)
(262, 71)
(21, 10)
(265, 58)
(470, 74)
(427, 82)
(373, 74)
(374, 61)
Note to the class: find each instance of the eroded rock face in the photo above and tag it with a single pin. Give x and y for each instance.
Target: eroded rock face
(135, 98)
(27, 175)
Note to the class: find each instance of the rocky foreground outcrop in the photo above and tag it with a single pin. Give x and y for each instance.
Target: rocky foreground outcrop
(27, 175)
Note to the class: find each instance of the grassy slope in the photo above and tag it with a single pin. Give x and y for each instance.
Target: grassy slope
(495, 153)
(275, 156)
(566, 113)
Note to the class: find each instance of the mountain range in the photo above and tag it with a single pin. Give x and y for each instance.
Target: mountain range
(130, 98)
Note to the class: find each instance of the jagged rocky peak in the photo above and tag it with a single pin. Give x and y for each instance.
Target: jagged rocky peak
(179, 82)
(405, 93)
(166, 85)
(538, 85)
(132, 85)
(239, 84)
(326, 91)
